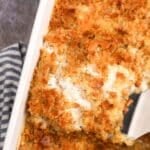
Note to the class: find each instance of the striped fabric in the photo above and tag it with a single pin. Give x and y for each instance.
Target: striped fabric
(11, 61)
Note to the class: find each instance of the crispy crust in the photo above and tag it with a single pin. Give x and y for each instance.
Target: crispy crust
(35, 138)
(100, 51)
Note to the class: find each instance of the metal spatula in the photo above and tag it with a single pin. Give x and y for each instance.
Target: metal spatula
(140, 123)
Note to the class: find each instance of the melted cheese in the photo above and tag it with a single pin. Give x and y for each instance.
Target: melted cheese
(70, 91)
(112, 78)
(48, 48)
(52, 82)
(83, 11)
(90, 69)
(73, 93)
(76, 117)
(133, 50)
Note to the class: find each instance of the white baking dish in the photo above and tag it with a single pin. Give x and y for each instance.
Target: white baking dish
(18, 114)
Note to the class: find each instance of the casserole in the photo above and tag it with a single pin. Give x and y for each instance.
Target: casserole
(92, 98)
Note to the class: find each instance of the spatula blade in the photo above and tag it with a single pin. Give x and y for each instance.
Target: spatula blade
(140, 123)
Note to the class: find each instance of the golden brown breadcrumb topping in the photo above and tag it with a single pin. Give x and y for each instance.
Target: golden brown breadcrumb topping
(35, 138)
(95, 55)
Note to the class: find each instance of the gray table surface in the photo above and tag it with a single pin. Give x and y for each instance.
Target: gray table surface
(16, 20)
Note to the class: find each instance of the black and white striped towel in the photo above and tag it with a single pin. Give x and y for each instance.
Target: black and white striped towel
(11, 61)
